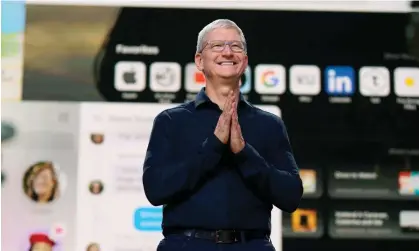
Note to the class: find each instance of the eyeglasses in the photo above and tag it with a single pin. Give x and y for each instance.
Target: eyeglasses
(219, 46)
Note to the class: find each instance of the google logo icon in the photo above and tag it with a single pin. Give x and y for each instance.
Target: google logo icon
(269, 79)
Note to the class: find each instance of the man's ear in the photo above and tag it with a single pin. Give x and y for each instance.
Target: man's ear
(198, 61)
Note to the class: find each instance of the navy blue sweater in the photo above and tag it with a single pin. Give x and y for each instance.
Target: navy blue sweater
(202, 184)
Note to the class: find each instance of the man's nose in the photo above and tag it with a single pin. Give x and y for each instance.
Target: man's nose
(227, 50)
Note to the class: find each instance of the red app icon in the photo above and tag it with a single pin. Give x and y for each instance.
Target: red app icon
(199, 78)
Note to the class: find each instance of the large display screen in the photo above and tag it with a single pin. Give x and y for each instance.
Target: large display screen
(341, 78)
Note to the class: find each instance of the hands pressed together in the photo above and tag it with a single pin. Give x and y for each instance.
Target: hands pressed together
(228, 127)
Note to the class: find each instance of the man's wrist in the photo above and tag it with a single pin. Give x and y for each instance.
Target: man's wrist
(214, 143)
(242, 145)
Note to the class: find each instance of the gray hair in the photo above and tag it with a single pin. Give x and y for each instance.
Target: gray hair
(219, 23)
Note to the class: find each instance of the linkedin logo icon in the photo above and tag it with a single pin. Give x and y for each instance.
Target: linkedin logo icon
(339, 80)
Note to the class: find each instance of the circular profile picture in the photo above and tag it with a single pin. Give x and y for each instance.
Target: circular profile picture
(93, 247)
(8, 131)
(97, 138)
(96, 187)
(41, 182)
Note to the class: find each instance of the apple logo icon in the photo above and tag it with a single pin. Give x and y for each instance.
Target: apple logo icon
(129, 77)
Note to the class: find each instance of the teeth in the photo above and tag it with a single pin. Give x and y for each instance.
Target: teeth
(227, 63)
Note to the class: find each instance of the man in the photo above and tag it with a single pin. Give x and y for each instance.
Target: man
(218, 164)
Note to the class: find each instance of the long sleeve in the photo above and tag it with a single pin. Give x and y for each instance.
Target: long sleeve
(167, 179)
(275, 175)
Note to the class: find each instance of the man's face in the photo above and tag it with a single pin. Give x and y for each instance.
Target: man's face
(226, 63)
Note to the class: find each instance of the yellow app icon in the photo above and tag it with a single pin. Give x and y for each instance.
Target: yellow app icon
(409, 81)
(304, 220)
(406, 82)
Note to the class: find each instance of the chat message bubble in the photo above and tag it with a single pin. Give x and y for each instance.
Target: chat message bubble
(148, 219)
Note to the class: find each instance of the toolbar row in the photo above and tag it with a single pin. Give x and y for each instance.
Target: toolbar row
(271, 79)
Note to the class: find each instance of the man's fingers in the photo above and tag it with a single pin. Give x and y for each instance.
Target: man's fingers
(231, 97)
(234, 122)
(230, 101)
(227, 103)
(227, 115)
(234, 108)
(227, 120)
(228, 110)
(235, 94)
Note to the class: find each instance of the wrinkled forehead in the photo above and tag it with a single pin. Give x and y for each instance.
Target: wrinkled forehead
(229, 34)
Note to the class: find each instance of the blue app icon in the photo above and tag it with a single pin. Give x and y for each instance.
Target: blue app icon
(339, 80)
(245, 82)
(148, 219)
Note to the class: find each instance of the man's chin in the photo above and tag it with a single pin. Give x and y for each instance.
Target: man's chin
(230, 82)
(228, 76)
